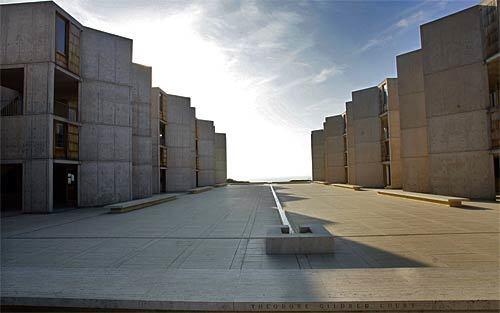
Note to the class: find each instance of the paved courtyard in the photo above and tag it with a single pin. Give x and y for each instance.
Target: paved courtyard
(210, 246)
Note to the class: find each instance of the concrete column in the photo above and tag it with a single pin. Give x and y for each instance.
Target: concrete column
(413, 123)
(367, 129)
(220, 158)
(318, 155)
(333, 130)
(206, 152)
(351, 144)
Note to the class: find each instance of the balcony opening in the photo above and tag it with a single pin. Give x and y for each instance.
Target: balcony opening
(65, 96)
(11, 91)
(163, 107)
(66, 138)
(162, 134)
(383, 95)
(163, 180)
(12, 188)
(496, 159)
(65, 185)
(163, 157)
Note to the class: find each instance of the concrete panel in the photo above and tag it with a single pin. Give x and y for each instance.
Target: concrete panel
(88, 184)
(459, 132)
(466, 174)
(334, 149)
(369, 174)
(37, 182)
(39, 88)
(412, 110)
(452, 41)
(365, 103)
(410, 73)
(105, 57)
(12, 141)
(415, 174)
(27, 32)
(318, 155)
(220, 158)
(457, 90)
(123, 181)
(88, 138)
(141, 153)
(141, 180)
(38, 136)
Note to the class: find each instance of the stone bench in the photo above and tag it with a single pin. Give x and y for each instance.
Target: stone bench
(451, 201)
(311, 239)
(353, 187)
(128, 206)
(200, 189)
(220, 185)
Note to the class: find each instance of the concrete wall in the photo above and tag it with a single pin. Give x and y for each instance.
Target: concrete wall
(351, 144)
(180, 141)
(394, 132)
(106, 117)
(318, 155)
(366, 122)
(413, 118)
(220, 158)
(155, 139)
(333, 130)
(141, 131)
(206, 152)
(456, 95)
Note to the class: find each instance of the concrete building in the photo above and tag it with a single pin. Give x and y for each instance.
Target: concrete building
(205, 153)
(174, 142)
(76, 118)
(318, 155)
(40, 106)
(220, 158)
(449, 117)
(334, 149)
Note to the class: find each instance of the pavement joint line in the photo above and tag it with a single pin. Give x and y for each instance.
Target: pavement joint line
(239, 237)
(284, 219)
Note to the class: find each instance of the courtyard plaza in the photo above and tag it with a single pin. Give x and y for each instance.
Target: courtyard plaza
(206, 252)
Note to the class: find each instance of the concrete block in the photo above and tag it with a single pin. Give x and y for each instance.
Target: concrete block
(410, 73)
(318, 155)
(88, 184)
(313, 239)
(123, 143)
(105, 183)
(123, 181)
(415, 174)
(141, 181)
(89, 139)
(105, 143)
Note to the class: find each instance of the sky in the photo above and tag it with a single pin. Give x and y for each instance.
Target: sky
(267, 72)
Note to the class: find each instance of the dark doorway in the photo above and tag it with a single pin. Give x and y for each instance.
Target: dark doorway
(496, 160)
(163, 180)
(12, 187)
(65, 185)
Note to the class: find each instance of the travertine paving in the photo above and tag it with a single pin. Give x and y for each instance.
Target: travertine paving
(209, 247)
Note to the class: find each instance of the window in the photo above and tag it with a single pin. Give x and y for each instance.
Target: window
(61, 35)
(65, 96)
(162, 134)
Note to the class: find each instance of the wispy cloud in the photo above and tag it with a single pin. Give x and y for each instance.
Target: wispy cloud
(326, 73)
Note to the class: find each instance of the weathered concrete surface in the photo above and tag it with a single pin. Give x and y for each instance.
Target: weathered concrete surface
(220, 158)
(333, 130)
(366, 126)
(351, 144)
(181, 144)
(106, 115)
(318, 155)
(27, 41)
(456, 95)
(141, 131)
(413, 118)
(178, 252)
(206, 152)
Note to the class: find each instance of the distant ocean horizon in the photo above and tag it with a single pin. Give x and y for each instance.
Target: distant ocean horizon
(276, 179)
